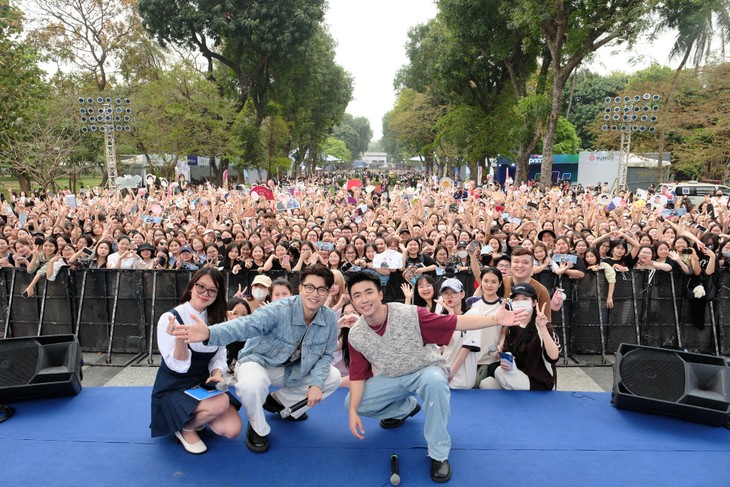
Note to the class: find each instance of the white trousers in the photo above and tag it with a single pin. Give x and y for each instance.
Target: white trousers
(252, 386)
(514, 381)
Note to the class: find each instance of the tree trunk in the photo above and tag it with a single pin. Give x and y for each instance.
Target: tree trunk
(549, 139)
(24, 182)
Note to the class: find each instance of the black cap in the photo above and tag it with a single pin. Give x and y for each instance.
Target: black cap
(146, 246)
(462, 244)
(525, 290)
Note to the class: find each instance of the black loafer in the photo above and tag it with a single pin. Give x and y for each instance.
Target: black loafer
(255, 442)
(273, 406)
(391, 423)
(440, 471)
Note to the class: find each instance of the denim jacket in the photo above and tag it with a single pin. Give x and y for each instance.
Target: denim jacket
(273, 333)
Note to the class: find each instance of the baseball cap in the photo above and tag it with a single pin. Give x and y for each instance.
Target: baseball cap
(453, 284)
(462, 243)
(262, 281)
(186, 248)
(525, 290)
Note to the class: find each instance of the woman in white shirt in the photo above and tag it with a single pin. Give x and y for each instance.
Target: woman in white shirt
(185, 366)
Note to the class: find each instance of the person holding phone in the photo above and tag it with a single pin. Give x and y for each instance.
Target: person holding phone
(527, 353)
(186, 365)
(40, 263)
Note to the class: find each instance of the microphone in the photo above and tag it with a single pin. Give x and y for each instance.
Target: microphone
(286, 412)
(394, 477)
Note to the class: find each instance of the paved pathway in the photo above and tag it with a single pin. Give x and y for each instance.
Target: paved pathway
(588, 376)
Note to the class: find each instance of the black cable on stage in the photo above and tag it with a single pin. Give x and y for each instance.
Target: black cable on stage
(6, 412)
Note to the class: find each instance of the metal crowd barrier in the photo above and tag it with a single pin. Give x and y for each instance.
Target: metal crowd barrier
(116, 311)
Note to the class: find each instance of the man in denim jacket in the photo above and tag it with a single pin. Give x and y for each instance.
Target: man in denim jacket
(289, 343)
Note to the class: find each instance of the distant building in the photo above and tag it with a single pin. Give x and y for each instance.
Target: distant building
(376, 160)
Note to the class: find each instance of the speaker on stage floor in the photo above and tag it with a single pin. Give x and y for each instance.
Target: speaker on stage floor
(40, 367)
(690, 386)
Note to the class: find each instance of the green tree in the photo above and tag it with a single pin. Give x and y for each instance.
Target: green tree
(469, 54)
(89, 34)
(21, 83)
(412, 124)
(696, 23)
(336, 148)
(245, 36)
(572, 30)
(347, 134)
(275, 134)
(41, 149)
(361, 126)
(584, 100)
(312, 98)
(182, 113)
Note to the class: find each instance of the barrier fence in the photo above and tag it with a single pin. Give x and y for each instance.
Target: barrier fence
(116, 311)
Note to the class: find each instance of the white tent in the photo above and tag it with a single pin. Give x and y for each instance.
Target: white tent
(635, 160)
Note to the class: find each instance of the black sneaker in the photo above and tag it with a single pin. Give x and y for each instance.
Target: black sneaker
(255, 442)
(391, 423)
(273, 406)
(440, 471)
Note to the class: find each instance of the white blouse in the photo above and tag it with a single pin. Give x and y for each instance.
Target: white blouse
(166, 342)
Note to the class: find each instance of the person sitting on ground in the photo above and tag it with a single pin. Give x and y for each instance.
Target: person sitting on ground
(534, 349)
(461, 351)
(186, 365)
(289, 344)
(487, 304)
(396, 339)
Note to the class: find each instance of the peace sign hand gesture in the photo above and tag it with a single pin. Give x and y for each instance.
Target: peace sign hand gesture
(541, 319)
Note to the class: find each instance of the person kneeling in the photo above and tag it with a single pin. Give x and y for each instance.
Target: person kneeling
(528, 352)
(397, 339)
(289, 344)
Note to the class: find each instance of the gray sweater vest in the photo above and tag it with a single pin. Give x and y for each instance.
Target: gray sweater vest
(400, 351)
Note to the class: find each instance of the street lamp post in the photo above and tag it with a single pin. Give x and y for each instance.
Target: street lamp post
(108, 116)
(629, 114)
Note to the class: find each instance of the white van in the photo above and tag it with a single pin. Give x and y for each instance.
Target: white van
(695, 191)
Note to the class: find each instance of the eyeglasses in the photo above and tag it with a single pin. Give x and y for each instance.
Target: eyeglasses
(200, 289)
(322, 291)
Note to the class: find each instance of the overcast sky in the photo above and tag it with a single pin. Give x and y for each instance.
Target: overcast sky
(371, 38)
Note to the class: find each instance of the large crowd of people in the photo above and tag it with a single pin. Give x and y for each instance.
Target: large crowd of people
(517, 243)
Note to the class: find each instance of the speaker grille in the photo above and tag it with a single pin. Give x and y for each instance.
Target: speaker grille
(653, 374)
(18, 362)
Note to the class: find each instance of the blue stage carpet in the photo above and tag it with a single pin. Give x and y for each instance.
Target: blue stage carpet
(101, 437)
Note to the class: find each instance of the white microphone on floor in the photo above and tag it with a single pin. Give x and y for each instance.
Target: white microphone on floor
(394, 476)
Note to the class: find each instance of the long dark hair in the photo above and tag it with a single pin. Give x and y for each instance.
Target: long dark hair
(418, 300)
(217, 309)
(344, 338)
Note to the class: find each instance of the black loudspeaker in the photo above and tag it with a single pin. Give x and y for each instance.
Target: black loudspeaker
(40, 367)
(690, 386)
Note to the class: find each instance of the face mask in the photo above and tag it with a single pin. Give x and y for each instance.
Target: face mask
(518, 305)
(259, 294)
(442, 228)
(726, 254)
(461, 254)
(227, 240)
